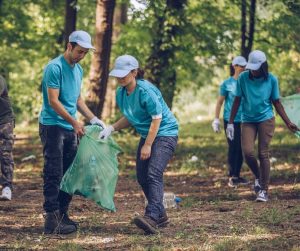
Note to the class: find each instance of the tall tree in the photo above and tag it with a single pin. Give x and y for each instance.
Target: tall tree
(70, 19)
(100, 62)
(120, 18)
(161, 61)
(247, 31)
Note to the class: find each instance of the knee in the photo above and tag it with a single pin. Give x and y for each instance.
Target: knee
(263, 155)
(248, 153)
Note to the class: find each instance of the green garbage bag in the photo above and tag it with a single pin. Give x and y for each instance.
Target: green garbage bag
(291, 106)
(94, 171)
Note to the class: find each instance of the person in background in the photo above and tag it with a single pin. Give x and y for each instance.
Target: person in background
(144, 108)
(227, 94)
(59, 129)
(7, 123)
(259, 90)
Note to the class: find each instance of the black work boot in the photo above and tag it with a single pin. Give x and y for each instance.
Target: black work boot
(163, 221)
(67, 220)
(55, 225)
(146, 223)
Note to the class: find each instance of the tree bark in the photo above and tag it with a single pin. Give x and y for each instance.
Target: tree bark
(100, 60)
(160, 65)
(120, 18)
(70, 19)
(247, 35)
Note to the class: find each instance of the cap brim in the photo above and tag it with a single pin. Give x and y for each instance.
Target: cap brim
(86, 45)
(119, 73)
(253, 67)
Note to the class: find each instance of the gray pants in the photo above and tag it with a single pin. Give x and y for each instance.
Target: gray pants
(6, 155)
(264, 131)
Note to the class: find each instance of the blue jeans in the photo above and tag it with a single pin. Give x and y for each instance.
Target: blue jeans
(150, 173)
(59, 150)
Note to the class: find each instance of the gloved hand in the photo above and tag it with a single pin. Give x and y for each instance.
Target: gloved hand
(96, 121)
(230, 131)
(106, 132)
(216, 125)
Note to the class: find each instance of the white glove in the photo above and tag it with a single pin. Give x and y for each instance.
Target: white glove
(230, 131)
(106, 132)
(216, 125)
(96, 121)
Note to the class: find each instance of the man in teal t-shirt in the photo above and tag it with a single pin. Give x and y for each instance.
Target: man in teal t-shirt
(59, 129)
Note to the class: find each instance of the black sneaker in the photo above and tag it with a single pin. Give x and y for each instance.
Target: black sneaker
(233, 182)
(68, 221)
(55, 225)
(242, 181)
(146, 223)
(163, 221)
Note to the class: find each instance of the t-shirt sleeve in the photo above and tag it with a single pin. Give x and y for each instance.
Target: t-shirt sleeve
(52, 76)
(238, 90)
(150, 101)
(275, 94)
(2, 84)
(223, 91)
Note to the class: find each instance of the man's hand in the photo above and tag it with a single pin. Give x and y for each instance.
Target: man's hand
(106, 132)
(216, 125)
(145, 152)
(96, 121)
(78, 128)
(230, 131)
(292, 127)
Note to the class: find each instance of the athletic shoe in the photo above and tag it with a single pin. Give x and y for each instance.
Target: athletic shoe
(146, 223)
(257, 186)
(262, 196)
(163, 221)
(233, 182)
(6, 194)
(242, 181)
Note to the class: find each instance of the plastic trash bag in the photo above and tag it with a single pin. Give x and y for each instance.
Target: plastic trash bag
(291, 106)
(94, 171)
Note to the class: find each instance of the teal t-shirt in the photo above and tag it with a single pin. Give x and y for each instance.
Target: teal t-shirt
(228, 89)
(257, 94)
(144, 104)
(58, 74)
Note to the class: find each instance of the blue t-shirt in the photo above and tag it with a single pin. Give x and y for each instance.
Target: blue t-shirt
(257, 94)
(58, 74)
(144, 104)
(228, 89)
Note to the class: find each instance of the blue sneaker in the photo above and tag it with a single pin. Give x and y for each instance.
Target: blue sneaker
(257, 186)
(262, 196)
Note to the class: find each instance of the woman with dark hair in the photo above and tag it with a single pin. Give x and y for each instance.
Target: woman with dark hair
(227, 94)
(259, 90)
(143, 107)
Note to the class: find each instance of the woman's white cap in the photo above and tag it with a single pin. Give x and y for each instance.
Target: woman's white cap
(123, 65)
(239, 60)
(256, 59)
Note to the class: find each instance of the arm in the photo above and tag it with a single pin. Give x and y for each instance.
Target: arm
(57, 106)
(280, 110)
(234, 109)
(83, 109)
(146, 148)
(219, 104)
(121, 124)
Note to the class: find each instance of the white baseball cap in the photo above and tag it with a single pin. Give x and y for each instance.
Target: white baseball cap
(239, 60)
(256, 59)
(82, 38)
(123, 65)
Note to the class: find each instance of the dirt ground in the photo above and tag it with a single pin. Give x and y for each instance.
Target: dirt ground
(211, 215)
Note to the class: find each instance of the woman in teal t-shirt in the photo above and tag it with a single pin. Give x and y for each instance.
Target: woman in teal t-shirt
(144, 108)
(227, 94)
(259, 90)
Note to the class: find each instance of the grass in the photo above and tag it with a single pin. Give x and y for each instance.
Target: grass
(210, 216)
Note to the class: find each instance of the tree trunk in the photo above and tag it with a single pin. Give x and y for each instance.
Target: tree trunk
(100, 61)
(247, 35)
(70, 19)
(120, 18)
(161, 61)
